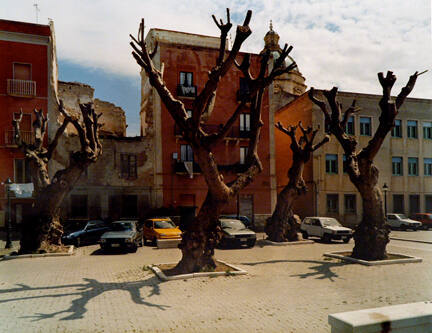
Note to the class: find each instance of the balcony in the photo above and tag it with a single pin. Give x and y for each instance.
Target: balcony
(234, 133)
(186, 91)
(21, 88)
(27, 137)
(179, 168)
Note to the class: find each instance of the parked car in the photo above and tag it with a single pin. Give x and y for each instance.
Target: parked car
(90, 234)
(326, 228)
(424, 218)
(400, 221)
(124, 234)
(160, 228)
(235, 233)
(245, 220)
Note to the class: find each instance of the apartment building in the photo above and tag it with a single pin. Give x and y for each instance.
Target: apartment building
(28, 75)
(404, 161)
(178, 182)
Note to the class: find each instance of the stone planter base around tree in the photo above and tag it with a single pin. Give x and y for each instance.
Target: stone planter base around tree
(232, 270)
(394, 258)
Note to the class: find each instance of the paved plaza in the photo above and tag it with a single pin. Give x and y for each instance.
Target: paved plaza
(288, 289)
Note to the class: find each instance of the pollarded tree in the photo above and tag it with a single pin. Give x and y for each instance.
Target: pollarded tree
(282, 226)
(42, 231)
(202, 235)
(372, 234)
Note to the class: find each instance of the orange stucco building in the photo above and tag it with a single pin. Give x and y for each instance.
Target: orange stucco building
(25, 72)
(187, 58)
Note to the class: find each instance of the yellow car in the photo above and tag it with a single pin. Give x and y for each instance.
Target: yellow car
(160, 228)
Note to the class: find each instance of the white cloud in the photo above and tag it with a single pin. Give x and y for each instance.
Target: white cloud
(371, 36)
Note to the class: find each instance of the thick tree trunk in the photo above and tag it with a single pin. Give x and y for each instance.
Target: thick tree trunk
(42, 232)
(282, 226)
(372, 234)
(200, 238)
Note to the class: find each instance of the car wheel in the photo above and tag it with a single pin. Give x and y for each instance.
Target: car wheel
(346, 239)
(251, 243)
(78, 242)
(104, 247)
(326, 238)
(134, 248)
(154, 241)
(305, 235)
(403, 227)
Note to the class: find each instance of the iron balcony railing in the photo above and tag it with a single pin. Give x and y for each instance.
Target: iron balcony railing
(179, 167)
(26, 136)
(234, 133)
(186, 91)
(21, 88)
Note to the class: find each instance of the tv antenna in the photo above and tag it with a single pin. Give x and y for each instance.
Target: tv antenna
(36, 6)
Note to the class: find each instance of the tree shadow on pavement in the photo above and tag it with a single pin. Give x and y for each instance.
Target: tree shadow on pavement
(322, 269)
(86, 292)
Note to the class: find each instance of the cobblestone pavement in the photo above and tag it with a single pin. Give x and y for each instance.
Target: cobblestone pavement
(288, 289)
(419, 235)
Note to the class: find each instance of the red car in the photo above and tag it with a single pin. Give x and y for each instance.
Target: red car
(424, 218)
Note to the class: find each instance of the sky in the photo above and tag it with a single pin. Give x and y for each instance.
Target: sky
(342, 43)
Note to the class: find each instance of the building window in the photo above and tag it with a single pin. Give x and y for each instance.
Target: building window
(344, 163)
(428, 203)
(186, 87)
(128, 163)
(244, 122)
(398, 203)
(129, 206)
(427, 130)
(22, 71)
(349, 128)
(78, 206)
(186, 153)
(22, 173)
(427, 166)
(243, 154)
(412, 129)
(414, 203)
(412, 166)
(397, 169)
(186, 79)
(243, 94)
(332, 203)
(331, 163)
(365, 126)
(397, 129)
(350, 203)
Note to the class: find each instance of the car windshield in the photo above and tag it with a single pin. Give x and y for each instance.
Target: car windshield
(331, 222)
(233, 224)
(164, 225)
(121, 226)
(401, 216)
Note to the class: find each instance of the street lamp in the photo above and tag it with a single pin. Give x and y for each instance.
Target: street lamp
(385, 189)
(7, 183)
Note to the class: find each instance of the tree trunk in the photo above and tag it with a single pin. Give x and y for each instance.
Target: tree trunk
(200, 238)
(42, 231)
(282, 226)
(372, 234)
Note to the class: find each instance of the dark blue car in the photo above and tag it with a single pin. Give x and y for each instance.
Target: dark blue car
(90, 234)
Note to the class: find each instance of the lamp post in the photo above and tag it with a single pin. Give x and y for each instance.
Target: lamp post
(7, 183)
(385, 189)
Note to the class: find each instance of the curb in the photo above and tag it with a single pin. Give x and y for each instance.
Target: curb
(40, 255)
(411, 240)
(163, 277)
(408, 259)
(300, 242)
